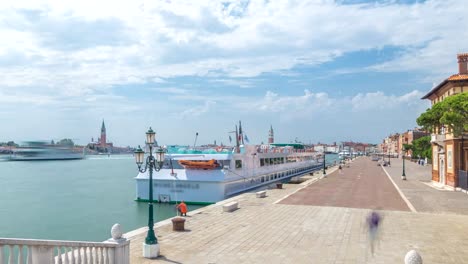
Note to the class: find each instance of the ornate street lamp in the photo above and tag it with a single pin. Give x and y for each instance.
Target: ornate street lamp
(150, 246)
(403, 175)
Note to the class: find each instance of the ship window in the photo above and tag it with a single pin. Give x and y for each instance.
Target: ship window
(238, 164)
(282, 160)
(262, 162)
(263, 179)
(267, 162)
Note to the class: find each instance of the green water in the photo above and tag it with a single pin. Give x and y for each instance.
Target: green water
(72, 200)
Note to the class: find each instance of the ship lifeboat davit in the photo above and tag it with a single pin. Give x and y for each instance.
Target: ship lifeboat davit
(199, 164)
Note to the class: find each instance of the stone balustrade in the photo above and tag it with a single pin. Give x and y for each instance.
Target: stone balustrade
(34, 251)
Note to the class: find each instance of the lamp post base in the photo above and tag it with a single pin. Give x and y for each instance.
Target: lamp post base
(403, 177)
(150, 251)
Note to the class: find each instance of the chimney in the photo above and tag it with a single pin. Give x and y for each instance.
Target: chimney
(462, 63)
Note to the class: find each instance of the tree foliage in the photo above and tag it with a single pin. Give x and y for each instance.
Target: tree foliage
(66, 142)
(422, 147)
(451, 112)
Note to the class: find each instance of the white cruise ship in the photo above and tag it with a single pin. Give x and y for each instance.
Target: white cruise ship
(205, 178)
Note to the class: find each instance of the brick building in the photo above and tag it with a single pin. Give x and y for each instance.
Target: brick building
(408, 137)
(449, 154)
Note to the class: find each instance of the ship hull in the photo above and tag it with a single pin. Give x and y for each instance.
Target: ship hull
(239, 172)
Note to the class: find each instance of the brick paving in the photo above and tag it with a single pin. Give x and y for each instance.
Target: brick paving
(361, 185)
(269, 230)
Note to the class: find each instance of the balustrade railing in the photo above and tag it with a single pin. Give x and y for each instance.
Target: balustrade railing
(437, 137)
(34, 251)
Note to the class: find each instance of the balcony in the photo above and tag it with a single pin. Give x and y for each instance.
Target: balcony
(437, 139)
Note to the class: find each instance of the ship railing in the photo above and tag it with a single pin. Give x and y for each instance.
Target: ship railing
(284, 150)
(34, 251)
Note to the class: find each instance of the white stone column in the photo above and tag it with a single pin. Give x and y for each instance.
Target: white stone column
(121, 253)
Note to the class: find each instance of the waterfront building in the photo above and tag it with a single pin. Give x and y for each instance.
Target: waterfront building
(390, 145)
(407, 138)
(449, 153)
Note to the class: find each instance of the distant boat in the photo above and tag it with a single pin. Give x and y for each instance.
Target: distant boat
(343, 154)
(37, 150)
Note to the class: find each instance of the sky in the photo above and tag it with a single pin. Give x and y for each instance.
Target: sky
(317, 71)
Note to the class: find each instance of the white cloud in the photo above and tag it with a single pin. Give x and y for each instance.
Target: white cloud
(71, 55)
(129, 42)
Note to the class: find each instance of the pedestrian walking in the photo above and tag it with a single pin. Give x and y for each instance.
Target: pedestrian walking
(340, 169)
(373, 222)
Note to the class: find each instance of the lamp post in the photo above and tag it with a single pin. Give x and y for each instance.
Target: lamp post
(403, 174)
(150, 246)
(324, 172)
(388, 157)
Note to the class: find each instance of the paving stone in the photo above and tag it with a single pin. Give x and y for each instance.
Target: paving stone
(328, 231)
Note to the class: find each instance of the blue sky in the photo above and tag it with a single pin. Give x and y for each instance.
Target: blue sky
(318, 71)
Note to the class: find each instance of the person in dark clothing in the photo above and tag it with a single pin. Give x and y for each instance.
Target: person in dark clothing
(373, 221)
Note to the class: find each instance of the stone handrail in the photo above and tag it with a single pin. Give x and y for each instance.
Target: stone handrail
(34, 251)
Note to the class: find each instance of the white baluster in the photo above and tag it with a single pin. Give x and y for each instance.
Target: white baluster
(110, 255)
(20, 254)
(101, 259)
(104, 253)
(10, 258)
(93, 255)
(59, 255)
(30, 255)
(2, 255)
(72, 255)
(85, 255)
(65, 256)
(78, 257)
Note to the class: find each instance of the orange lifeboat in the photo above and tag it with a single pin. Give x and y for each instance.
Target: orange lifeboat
(199, 164)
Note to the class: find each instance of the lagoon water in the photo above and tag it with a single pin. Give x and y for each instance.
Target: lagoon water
(72, 200)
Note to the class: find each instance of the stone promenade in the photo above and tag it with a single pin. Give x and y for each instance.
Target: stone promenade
(326, 229)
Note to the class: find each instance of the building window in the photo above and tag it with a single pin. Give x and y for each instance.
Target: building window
(238, 164)
(449, 158)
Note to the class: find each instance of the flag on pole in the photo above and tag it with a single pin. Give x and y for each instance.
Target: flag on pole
(246, 138)
(230, 139)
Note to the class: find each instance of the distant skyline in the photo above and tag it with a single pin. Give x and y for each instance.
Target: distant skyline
(317, 70)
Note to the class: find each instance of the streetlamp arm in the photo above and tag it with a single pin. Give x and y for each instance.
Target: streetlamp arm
(143, 169)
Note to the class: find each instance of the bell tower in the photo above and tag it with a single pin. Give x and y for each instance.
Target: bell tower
(271, 138)
(103, 140)
(462, 63)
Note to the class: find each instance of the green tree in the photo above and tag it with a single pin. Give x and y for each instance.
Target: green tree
(66, 142)
(430, 120)
(455, 114)
(422, 147)
(451, 112)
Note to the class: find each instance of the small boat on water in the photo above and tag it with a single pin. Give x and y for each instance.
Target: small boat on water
(206, 176)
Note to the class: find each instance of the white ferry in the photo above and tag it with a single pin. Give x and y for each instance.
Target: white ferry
(38, 151)
(205, 178)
